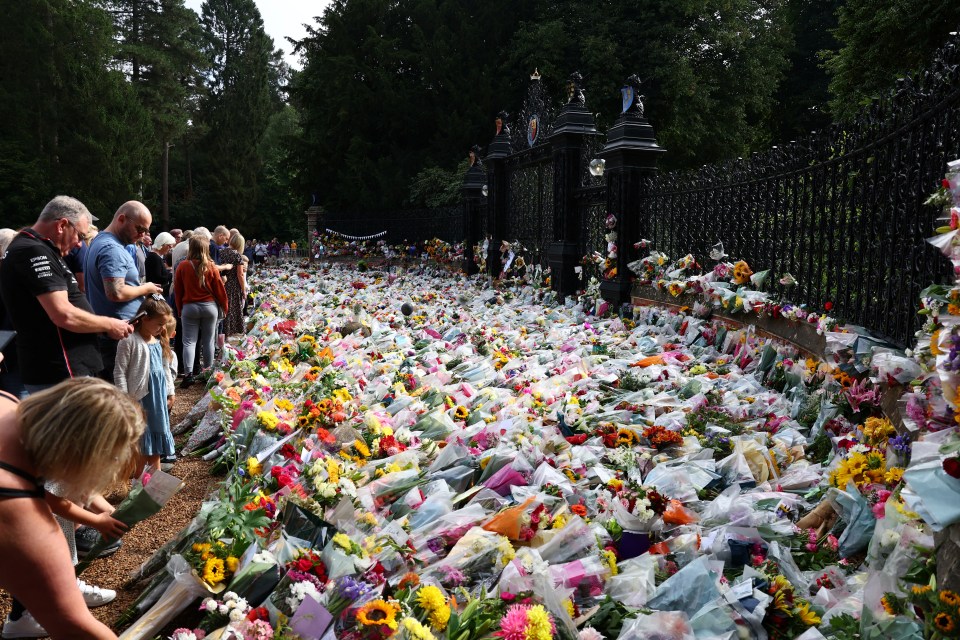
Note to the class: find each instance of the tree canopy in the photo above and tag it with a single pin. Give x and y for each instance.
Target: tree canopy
(101, 99)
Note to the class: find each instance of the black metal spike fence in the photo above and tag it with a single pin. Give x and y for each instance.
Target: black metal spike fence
(842, 210)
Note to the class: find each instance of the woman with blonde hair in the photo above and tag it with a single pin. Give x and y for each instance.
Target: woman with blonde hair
(82, 434)
(198, 291)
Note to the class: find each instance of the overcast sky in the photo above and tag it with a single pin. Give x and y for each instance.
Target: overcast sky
(283, 18)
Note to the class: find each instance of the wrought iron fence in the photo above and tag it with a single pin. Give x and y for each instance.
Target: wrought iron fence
(530, 201)
(412, 225)
(842, 210)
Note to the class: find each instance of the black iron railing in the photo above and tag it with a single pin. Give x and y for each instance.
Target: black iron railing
(842, 210)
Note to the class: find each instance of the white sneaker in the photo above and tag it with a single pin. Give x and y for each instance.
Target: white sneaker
(25, 627)
(95, 596)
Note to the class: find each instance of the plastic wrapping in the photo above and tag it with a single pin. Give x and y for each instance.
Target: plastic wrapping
(660, 625)
(185, 588)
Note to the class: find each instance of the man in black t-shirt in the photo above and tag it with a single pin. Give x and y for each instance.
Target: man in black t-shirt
(56, 339)
(56, 328)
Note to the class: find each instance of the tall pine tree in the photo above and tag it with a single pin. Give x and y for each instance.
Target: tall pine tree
(69, 123)
(235, 111)
(159, 50)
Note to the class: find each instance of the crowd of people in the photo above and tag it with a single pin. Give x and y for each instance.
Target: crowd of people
(104, 322)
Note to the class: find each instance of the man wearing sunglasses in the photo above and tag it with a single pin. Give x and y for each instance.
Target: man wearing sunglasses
(112, 276)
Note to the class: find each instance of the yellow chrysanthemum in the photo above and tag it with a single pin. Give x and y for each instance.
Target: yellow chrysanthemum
(213, 573)
(232, 564)
(611, 561)
(538, 624)
(378, 613)
(430, 597)
(342, 395)
(333, 470)
(269, 420)
(571, 610)
(283, 404)
(254, 467)
(416, 630)
(343, 541)
(439, 618)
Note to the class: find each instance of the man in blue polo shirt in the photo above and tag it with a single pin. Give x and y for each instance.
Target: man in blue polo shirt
(112, 277)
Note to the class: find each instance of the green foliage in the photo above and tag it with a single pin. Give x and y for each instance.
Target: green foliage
(881, 41)
(68, 122)
(236, 109)
(803, 95)
(229, 519)
(388, 89)
(843, 627)
(610, 617)
(435, 187)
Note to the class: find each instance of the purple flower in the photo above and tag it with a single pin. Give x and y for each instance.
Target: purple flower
(350, 588)
(901, 444)
(452, 576)
(436, 545)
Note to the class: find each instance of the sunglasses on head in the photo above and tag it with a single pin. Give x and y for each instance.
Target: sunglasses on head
(157, 297)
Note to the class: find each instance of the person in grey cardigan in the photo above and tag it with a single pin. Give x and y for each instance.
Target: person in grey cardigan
(145, 369)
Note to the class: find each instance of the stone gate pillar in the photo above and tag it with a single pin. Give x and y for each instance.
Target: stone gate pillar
(498, 189)
(571, 128)
(473, 201)
(314, 216)
(631, 156)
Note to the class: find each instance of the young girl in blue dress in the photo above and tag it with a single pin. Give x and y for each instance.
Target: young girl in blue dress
(143, 369)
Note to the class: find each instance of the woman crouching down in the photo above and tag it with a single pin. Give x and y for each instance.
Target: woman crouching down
(82, 434)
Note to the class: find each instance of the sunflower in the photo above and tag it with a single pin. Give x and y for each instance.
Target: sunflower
(361, 448)
(232, 564)
(626, 437)
(950, 598)
(213, 573)
(461, 413)
(807, 615)
(286, 350)
(919, 590)
(887, 604)
(944, 622)
(377, 613)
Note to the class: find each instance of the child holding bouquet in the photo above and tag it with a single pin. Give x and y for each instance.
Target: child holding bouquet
(144, 367)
